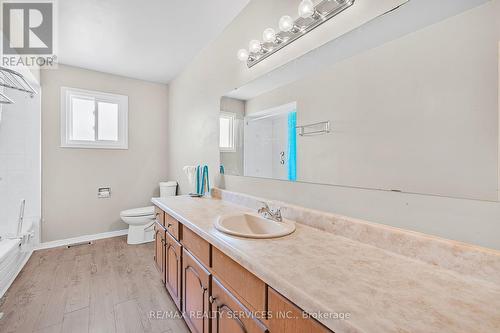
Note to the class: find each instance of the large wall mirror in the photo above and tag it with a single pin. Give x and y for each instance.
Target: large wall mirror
(417, 113)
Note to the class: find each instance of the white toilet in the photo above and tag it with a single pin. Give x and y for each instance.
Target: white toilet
(141, 220)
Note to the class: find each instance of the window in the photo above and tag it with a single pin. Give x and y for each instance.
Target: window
(226, 137)
(91, 119)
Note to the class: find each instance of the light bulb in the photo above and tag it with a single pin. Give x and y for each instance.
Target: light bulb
(286, 23)
(306, 8)
(254, 46)
(269, 35)
(243, 55)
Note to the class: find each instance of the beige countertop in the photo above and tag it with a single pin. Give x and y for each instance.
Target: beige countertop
(326, 274)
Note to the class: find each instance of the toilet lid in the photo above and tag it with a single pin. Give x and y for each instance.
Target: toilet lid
(143, 211)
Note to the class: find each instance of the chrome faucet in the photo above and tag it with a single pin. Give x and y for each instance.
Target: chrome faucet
(268, 213)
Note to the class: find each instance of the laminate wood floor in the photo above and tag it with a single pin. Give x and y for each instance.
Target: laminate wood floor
(105, 287)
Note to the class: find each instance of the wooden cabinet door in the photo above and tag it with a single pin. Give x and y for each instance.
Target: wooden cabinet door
(231, 316)
(173, 265)
(160, 250)
(286, 317)
(195, 284)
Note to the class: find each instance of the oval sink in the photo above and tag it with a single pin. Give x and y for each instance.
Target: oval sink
(253, 226)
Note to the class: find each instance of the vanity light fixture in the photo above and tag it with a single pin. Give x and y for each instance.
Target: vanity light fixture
(310, 17)
(269, 35)
(306, 8)
(243, 55)
(286, 23)
(255, 46)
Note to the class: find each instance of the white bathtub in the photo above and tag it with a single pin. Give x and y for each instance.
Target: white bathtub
(14, 253)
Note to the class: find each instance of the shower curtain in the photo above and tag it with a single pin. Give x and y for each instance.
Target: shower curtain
(292, 146)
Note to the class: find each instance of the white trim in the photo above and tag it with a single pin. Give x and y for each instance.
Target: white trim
(86, 238)
(97, 96)
(232, 144)
(18, 270)
(272, 112)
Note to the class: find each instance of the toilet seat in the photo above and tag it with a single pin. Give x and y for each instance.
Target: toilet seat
(139, 212)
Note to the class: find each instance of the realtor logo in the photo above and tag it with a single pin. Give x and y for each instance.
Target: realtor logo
(29, 33)
(28, 28)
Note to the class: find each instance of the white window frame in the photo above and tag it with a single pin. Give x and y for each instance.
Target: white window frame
(231, 116)
(66, 119)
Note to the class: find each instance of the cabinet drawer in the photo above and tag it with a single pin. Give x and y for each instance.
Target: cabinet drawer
(172, 226)
(199, 247)
(229, 315)
(159, 216)
(250, 289)
(286, 317)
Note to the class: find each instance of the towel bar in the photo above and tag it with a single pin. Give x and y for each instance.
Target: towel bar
(320, 128)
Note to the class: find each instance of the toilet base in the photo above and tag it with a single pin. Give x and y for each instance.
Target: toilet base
(139, 234)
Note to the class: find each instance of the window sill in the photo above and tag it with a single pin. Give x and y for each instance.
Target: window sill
(97, 146)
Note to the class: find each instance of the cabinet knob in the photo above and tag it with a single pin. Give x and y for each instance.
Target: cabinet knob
(212, 299)
(169, 225)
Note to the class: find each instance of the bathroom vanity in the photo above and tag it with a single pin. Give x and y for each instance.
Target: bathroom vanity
(333, 274)
(214, 292)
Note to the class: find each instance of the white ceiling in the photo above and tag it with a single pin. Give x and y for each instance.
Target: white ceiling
(150, 40)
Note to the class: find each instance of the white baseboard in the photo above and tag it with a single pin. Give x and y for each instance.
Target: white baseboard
(86, 238)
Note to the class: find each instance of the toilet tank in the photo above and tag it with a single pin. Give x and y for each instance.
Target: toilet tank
(168, 189)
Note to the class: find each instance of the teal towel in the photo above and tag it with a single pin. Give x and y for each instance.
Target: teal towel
(202, 179)
(205, 179)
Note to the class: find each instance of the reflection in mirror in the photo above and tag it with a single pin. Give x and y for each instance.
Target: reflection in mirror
(258, 144)
(270, 142)
(417, 114)
(231, 136)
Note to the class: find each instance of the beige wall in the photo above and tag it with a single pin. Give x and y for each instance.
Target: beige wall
(193, 136)
(70, 177)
